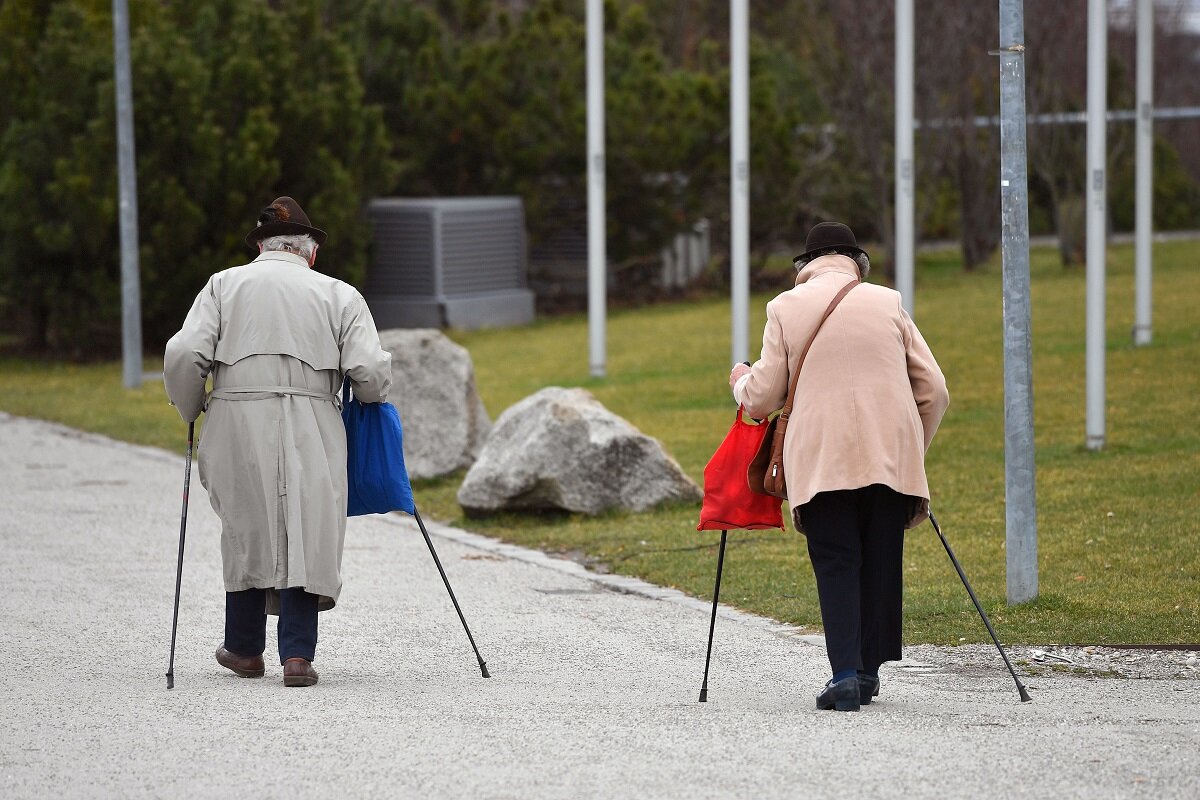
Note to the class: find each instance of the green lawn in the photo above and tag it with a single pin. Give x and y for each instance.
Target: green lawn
(1117, 529)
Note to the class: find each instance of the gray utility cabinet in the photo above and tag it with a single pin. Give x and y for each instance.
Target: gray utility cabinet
(448, 262)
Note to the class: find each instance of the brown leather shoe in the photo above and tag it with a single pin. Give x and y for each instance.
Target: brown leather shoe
(298, 672)
(246, 666)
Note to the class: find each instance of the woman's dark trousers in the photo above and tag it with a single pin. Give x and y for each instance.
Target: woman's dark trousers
(246, 623)
(856, 544)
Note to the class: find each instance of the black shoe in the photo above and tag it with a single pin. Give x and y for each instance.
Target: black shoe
(843, 695)
(868, 687)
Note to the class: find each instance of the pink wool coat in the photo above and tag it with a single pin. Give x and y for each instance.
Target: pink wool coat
(870, 395)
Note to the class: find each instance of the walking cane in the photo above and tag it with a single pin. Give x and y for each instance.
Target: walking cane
(445, 580)
(1025, 698)
(712, 622)
(187, 480)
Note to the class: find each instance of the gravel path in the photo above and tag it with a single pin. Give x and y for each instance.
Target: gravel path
(594, 684)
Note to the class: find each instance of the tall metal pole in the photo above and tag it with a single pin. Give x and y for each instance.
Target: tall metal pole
(597, 252)
(905, 179)
(1144, 171)
(131, 307)
(1097, 215)
(739, 187)
(1020, 493)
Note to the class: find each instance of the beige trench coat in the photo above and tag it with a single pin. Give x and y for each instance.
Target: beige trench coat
(276, 338)
(870, 395)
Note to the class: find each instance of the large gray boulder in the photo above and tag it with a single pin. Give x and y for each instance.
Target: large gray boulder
(561, 449)
(433, 388)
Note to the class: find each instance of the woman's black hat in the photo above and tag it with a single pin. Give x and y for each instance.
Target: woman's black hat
(829, 236)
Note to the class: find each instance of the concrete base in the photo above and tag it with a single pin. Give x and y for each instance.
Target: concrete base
(394, 312)
(494, 310)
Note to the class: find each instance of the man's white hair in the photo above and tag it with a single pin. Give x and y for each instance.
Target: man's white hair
(301, 244)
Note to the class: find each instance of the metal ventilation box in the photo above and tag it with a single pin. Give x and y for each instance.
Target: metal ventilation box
(448, 262)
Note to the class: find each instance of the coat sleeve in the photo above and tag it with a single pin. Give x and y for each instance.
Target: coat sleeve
(363, 357)
(925, 376)
(764, 390)
(189, 355)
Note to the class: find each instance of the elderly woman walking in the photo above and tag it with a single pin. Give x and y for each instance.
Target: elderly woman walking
(276, 337)
(869, 399)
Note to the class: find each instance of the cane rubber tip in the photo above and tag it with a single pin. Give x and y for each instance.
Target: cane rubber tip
(1025, 698)
(483, 669)
(170, 681)
(704, 695)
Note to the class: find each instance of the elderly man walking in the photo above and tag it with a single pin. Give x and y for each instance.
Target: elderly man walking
(276, 337)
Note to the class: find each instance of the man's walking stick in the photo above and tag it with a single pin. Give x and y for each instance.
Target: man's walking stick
(1025, 698)
(187, 481)
(712, 622)
(445, 580)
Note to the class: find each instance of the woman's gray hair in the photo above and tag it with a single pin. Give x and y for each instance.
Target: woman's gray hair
(864, 263)
(301, 244)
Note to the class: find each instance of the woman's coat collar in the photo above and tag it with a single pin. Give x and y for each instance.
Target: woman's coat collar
(823, 264)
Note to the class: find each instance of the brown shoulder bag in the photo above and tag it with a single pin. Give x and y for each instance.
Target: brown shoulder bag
(765, 473)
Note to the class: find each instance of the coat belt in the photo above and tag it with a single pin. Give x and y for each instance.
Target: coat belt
(242, 392)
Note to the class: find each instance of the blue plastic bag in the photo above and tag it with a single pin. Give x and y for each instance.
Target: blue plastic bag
(376, 479)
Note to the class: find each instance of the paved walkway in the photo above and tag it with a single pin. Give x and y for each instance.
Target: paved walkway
(594, 684)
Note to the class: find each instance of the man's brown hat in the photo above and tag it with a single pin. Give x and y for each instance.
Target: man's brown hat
(284, 217)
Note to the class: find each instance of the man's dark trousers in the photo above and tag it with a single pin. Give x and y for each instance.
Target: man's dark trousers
(246, 623)
(856, 544)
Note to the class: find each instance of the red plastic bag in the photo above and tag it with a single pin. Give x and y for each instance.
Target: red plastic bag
(728, 502)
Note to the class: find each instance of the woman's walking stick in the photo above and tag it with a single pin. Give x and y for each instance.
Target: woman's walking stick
(187, 481)
(712, 622)
(445, 580)
(1025, 698)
